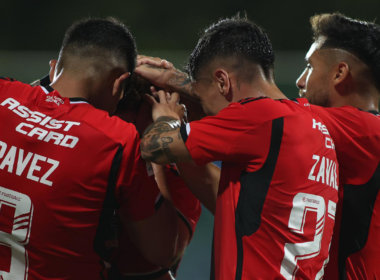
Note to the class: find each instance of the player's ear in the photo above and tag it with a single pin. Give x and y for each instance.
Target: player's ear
(53, 65)
(342, 77)
(118, 85)
(223, 81)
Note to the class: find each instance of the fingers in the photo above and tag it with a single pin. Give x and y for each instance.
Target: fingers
(162, 97)
(150, 99)
(174, 98)
(166, 64)
(154, 61)
(149, 61)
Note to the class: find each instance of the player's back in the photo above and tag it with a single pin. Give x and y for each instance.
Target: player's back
(355, 248)
(278, 189)
(58, 157)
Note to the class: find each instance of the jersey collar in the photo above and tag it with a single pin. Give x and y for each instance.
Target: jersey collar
(77, 100)
(74, 100)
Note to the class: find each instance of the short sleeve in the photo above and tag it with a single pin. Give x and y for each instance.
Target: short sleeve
(231, 136)
(5, 84)
(136, 191)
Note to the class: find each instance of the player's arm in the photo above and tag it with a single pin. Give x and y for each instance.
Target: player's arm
(203, 182)
(161, 142)
(163, 75)
(183, 231)
(155, 236)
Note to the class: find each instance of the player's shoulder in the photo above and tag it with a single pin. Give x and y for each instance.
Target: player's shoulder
(24, 93)
(10, 82)
(111, 126)
(357, 121)
(263, 109)
(350, 116)
(6, 79)
(12, 86)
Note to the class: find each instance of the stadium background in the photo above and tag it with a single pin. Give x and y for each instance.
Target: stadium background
(32, 31)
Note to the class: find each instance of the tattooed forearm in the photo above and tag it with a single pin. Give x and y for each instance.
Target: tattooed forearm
(181, 82)
(165, 146)
(154, 145)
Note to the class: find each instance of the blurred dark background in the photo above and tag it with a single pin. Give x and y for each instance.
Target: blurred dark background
(32, 32)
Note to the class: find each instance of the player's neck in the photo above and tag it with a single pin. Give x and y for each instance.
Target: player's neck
(258, 89)
(73, 88)
(366, 102)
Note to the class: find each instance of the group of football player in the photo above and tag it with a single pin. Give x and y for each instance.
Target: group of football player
(105, 161)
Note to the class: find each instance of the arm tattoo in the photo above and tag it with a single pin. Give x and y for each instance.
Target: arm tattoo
(182, 84)
(153, 146)
(181, 81)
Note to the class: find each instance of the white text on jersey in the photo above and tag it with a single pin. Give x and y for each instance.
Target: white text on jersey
(17, 164)
(46, 121)
(327, 171)
(328, 141)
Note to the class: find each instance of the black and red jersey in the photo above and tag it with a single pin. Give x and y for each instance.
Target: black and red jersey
(64, 168)
(355, 248)
(278, 189)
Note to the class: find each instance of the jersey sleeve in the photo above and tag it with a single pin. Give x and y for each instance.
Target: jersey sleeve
(13, 88)
(135, 191)
(231, 135)
(5, 84)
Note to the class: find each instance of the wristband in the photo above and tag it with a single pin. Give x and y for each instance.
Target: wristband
(174, 123)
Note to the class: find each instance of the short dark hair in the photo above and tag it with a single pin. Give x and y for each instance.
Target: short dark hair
(359, 38)
(132, 101)
(237, 38)
(92, 36)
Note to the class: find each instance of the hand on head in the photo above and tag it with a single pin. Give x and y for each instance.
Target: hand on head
(156, 71)
(165, 76)
(167, 105)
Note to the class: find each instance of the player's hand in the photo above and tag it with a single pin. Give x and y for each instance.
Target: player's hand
(162, 74)
(154, 61)
(167, 105)
(36, 83)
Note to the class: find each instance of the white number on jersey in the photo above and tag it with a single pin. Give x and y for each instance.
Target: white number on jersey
(16, 212)
(302, 204)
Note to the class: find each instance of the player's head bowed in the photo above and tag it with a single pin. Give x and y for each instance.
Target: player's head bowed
(100, 52)
(230, 56)
(237, 41)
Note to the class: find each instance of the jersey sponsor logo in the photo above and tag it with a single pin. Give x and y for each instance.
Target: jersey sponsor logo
(39, 133)
(15, 160)
(329, 143)
(54, 99)
(326, 171)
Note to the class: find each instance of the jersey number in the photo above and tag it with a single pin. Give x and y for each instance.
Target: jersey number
(302, 204)
(16, 212)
